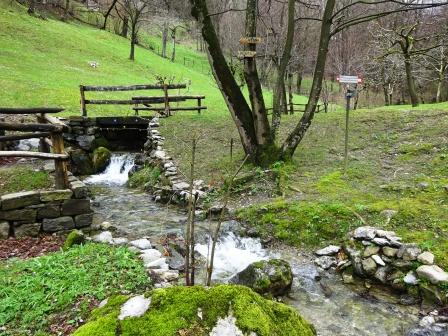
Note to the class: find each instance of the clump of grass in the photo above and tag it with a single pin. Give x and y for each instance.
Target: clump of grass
(146, 175)
(15, 179)
(32, 290)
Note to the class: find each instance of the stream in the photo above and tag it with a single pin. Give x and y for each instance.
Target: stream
(333, 307)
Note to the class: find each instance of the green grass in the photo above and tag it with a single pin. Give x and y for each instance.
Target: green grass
(15, 179)
(35, 292)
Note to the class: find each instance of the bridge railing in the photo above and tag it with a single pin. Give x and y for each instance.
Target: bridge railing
(48, 129)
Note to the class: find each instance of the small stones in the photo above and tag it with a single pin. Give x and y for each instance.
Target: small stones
(364, 233)
(390, 251)
(347, 278)
(409, 252)
(432, 273)
(370, 250)
(134, 307)
(328, 251)
(326, 262)
(378, 260)
(103, 237)
(119, 241)
(426, 258)
(157, 264)
(369, 266)
(150, 255)
(411, 278)
(381, 241)
(142, 244)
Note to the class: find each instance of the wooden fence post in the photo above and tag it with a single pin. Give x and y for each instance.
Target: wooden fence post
(199, 105)
(61, 177)
(43, 146)
(167, 103)
(83, 101)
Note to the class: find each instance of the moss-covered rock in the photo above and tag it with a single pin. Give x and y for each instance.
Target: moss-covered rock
(101, 159)
(75, 237)
(272, 277)
(196, 311)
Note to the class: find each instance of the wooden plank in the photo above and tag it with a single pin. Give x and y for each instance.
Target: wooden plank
(29, 127)
(14, 137)
(156, 99)
(55, 121)
(247, 54)
(38, 155)
(134, 87)
(251, 40)
(183, 108)
(30, 110)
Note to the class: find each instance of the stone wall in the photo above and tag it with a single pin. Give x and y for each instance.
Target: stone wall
(28, 213)
(171, 186)
(381, 256)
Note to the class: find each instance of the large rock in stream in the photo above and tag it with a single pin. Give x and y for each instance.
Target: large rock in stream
(220, 310)
(272, 276)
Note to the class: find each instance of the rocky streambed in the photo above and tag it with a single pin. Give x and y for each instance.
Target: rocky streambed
(321, 296)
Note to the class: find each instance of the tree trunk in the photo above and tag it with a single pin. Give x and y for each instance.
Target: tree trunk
(386, 95)
(260, 120)
(133, 42)
(290, 94)
(441, 77)
(236, 103)
(296, 136)
(32, 7)
(106, 16)
(164, 38)
(410, 80)
(124, 29)
(299, 81)
(173, 53)
(280, 82)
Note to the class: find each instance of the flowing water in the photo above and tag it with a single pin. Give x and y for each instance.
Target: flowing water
(331, 306)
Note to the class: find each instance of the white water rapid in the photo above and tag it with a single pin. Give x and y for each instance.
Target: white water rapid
(233, 254)
(116, 172)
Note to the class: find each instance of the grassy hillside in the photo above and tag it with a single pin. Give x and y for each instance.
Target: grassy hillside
(398, 155)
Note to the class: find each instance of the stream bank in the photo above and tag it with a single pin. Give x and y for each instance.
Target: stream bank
(321, 297)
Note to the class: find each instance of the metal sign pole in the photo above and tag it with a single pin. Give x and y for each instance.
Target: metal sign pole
(347, 119)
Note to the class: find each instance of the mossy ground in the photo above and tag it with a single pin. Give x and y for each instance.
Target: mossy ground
(23, 178)
(174, 311)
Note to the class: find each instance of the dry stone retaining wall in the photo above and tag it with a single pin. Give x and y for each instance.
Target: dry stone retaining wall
(26, 214)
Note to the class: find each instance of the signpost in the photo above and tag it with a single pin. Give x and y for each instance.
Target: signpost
(349, 94)
(247, 54)
(251, 40)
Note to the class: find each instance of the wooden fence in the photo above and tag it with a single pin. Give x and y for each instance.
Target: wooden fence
(146, 101)
(48, 129)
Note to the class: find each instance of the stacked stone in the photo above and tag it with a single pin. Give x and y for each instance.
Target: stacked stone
(156, 264)
(381, 256)
(171, 186)
(83, 132)
(26, 214)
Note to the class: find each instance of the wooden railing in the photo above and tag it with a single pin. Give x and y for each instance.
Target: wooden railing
(146, 101)
(48, 129)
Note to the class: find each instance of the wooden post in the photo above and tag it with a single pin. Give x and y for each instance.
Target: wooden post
(2, 133)
(83, 101)
(231, 149)
(43, 146)
(61, 177)
(167, 103)
(199, 105)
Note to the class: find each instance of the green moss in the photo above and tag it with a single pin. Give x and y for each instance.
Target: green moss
(416, 149)
(101, 158)
(74, 238)
(175, 309)
(147, 175)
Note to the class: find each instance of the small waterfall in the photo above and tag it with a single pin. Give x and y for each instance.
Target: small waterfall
(233, 254)
(116, 173)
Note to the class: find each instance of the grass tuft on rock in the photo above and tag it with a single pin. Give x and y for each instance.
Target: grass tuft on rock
(34, 292)
(175, 310)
